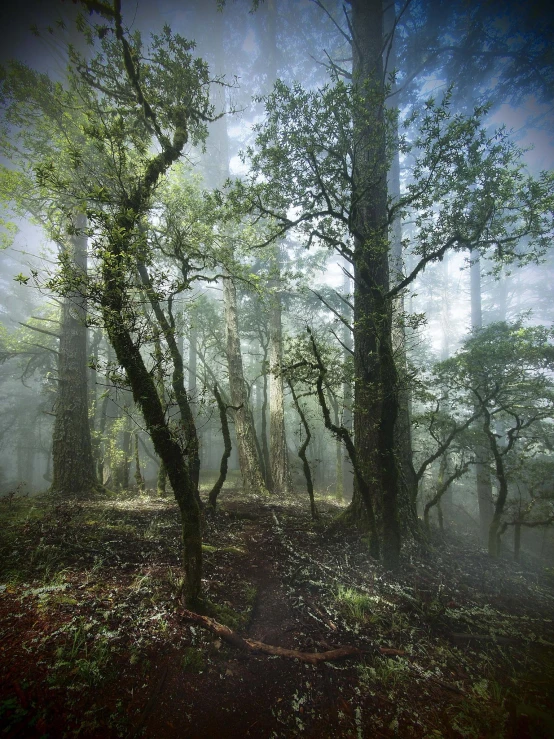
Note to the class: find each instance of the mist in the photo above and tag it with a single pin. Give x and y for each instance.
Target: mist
(276, 368)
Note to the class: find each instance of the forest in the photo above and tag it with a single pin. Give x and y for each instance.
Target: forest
(277, 369)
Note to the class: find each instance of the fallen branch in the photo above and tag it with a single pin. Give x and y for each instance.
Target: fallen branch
(251, 645)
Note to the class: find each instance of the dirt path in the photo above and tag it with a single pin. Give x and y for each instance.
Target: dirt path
(254, 695)
(273, 620)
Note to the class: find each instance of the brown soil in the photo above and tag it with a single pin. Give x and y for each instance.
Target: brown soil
(93, 642)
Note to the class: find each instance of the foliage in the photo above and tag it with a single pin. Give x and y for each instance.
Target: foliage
(506, 369)
(505, 372)
(356, 605)
(467, 188)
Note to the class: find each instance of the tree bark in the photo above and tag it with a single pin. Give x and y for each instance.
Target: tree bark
(249, 460)
(139, 479)
(347, 474)
(214, 492)
(279, 478)
(73, 463)
(177, 382)
(279, 458)
(266, 466)
(376, 386)
(244, 423)
(302, 451)
(494, 527)
(408, 487)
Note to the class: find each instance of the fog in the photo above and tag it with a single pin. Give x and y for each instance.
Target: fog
(295, 249)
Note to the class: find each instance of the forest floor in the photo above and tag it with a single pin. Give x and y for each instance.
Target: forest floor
(94, 641)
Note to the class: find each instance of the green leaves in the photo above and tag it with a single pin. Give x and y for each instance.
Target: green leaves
(466, 188)
(506, 371)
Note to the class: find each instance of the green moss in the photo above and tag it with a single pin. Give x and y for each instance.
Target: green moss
(229, 617)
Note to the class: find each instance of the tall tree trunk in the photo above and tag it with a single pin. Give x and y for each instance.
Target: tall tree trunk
(73, 463)
(376, 385)
(227, 449)
(124, 468)
(447, 503)
(177, 382)
(408, 487)
(280, 471)
(347, 471)
(482, 452)
(107, 402)
(262, 404)
(339, 495)
(302, 451)
(139, 479)
(146, 396)
(244, 423)
(193, 378)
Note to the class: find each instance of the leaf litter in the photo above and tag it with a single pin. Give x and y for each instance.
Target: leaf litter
(93, 642)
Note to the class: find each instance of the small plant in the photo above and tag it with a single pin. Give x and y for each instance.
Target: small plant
(155, 529)
(388, 673)
(251, 593)
(480, 708)
(355, 605)
(77, 658)
(192, 660)
(16, 493)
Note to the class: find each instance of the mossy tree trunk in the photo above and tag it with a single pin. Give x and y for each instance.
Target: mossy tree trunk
(227, 449)
(302, 451)
(502, 478)
(123, 241)
(188, 424)
(376, 384)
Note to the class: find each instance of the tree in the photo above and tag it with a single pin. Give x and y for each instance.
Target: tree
(249, 457)
(505, 371)
(73, 470)
(41, 115)
(279, 461)
(140, 109)
(320, 169)
(482, 468)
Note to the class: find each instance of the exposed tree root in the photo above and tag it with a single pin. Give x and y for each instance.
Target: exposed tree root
(251, 645)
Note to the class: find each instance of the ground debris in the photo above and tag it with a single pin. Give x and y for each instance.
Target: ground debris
(94, 640)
